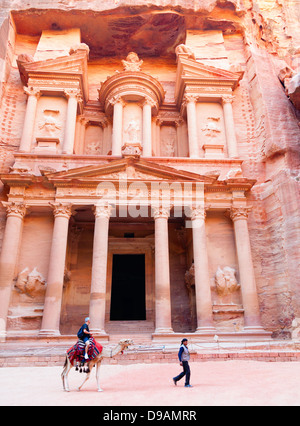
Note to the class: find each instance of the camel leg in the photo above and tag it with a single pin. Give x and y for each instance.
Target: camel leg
(90, 366)
(97, 376)
(64, 374)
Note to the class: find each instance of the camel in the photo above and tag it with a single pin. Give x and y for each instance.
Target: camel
(106, 353)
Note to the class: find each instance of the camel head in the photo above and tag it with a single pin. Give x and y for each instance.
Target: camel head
(125, 343)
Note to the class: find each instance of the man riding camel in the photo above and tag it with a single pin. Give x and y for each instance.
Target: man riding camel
(84, 335)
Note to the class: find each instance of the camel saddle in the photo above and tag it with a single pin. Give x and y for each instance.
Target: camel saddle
(76, 352)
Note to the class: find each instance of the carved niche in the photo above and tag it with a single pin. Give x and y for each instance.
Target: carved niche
(168, 139)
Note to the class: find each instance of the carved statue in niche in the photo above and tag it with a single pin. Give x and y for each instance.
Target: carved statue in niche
(133, 131)
(226, 282)
(50, 124)
(212, 128)
(32, 283)
(190, 284)
(168, 143)
(132, 62)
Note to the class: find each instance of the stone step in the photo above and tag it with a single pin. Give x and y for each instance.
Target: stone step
(130, 326)
(138, 339)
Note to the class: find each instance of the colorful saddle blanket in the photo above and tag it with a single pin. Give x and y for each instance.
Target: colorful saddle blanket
(76, 352)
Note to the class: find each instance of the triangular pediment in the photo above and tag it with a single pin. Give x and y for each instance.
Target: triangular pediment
(64, 64)
(192, 68)
(63, 67)
(193, 73)
(130, 169)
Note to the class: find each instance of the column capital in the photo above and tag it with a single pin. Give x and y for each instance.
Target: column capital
(161, 212)
(32, 91)
(83, 120)
(103, 210)
(117, 99)
(150, 102)
(73, 93)
(179, 122)
(17, 209)
(198, 212)
(227, 99)
(237, 213)
(62, 210)
(190, 97)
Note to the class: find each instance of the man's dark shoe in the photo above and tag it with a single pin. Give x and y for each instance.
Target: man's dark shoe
(174, 381)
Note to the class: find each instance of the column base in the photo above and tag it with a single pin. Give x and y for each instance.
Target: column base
(206, 330)
(254, 329)
(98, 333)
(3, 335)
(49, 333)
(164, 330)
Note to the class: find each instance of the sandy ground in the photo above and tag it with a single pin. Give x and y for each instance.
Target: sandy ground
(228, 383)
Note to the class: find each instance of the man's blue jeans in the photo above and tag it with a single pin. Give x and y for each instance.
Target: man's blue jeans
(186, 372)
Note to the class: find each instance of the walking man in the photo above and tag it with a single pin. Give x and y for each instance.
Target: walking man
(184, 357)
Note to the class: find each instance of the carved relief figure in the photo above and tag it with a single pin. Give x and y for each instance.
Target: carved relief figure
(50, 124)
(31, 283)
(226, 282)
(212, 128)
(132, 62)
(168, 143)
(92, 148)
(133, 130)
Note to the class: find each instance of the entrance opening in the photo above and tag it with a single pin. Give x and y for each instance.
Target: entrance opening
(128, 298)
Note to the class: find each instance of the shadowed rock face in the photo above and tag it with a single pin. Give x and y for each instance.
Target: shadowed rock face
(147, 31)
(112, 35)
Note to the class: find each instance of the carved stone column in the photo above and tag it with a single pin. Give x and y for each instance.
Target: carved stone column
(192, 125)
(147, 125)
(202, 280)
(99, 269)
(73, 96)
(28, 128)
(162, 272)
(158, 130)
(239, 216)
(55, 281)
(9, 257)
(117, 136)
(229, 126)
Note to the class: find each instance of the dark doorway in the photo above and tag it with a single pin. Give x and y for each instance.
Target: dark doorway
(128, 288)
